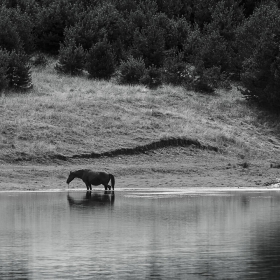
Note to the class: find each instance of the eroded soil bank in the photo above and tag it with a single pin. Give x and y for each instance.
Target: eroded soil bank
(167, 167)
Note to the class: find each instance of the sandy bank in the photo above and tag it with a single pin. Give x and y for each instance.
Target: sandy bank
(174, 167)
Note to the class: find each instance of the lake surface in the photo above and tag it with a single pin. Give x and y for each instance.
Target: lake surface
(140, 234)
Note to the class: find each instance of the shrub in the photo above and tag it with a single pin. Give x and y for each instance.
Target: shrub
(131, 70)
(175, 69)
(39, 60)
(204, 79)
(18, 73)
(71, 58)
(152, 77)
(14, 70)
(4, 60)
(100, 60)
(207, 80)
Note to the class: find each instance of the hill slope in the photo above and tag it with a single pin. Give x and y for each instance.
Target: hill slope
(69, 116)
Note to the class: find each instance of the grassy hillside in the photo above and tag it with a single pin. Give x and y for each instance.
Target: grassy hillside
(71, 115)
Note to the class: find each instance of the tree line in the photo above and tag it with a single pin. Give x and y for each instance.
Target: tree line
(200, 44)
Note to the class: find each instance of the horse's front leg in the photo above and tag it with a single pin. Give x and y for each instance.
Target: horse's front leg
(87, 184)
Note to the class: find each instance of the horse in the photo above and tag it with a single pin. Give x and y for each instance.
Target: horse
(92, 178)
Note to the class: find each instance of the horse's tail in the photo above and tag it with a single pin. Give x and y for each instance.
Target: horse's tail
(112, 180)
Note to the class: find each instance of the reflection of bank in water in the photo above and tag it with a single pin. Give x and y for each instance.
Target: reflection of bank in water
(92, 200)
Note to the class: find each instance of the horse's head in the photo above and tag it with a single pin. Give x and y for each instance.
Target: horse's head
(71, 177)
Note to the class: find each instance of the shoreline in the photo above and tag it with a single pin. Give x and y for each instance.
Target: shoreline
(160, 191)
(167, 168)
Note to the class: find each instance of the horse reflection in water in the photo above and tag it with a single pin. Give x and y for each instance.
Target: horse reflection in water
(93, 200)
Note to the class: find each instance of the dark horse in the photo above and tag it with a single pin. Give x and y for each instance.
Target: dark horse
(92, 178)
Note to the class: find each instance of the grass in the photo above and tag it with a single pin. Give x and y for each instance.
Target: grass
(72, 115)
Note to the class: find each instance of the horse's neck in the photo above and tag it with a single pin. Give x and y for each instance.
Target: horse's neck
(79, 173)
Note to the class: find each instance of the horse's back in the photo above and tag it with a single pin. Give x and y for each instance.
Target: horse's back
(92, 173)
(95, 177)
(88, 172)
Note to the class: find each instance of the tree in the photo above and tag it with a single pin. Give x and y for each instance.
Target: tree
(259, 41)
(149, 43)
(15, 30)
(4, 60)
(18, 72)
(71, 58)
(100, 60)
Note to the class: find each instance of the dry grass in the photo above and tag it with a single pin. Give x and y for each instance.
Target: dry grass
(71, 115)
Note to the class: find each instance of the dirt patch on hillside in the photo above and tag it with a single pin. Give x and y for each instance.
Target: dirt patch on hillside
(166, 167)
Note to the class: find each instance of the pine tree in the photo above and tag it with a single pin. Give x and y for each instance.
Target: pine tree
(71, 58)
(18, 73)
(100, 60)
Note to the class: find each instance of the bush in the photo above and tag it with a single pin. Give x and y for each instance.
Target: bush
(4, 60)
(39, 60)
(71, 58)
(175, 69)
(100, 61)
(152, 77)
(18, 73)
(14, 70)
(131, 70)
(204, 79)
(207, 80)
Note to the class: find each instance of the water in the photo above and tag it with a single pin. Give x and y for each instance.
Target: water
(140, 234)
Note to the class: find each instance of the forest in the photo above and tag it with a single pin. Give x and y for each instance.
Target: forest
(199, 44)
